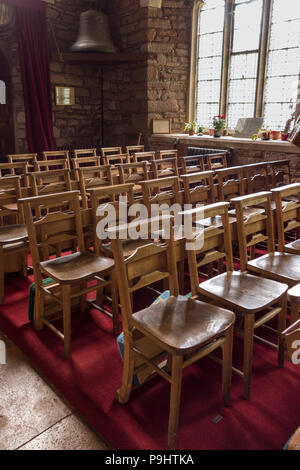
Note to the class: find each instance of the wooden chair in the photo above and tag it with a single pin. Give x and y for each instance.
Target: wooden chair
(132, 149)
(133, 173)
(91, 178)
(288, 216)
(161, 191)
(48, 165)
(199, 188)
(110, 151)
(192, 164)
(85, 162)
(115, 159)
(230, 182)
(258, 228)
(84, 153)
(29, 158)
(57, 155)
(15, 169)
(13, 237)
(69, 273)
(143, 156)
(254, 299)
(180, 329)
(168, 154)
(165, 167)
(280, 173)
(256, 177)
(216, 161)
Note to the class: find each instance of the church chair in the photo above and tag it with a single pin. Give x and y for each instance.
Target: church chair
(170, 334)
(216, 161)
(115, 159)
(254, 299)
(256, 177)
(48, 165)
(13, 236)
(143, 156)
(69, 273)
(84, 153)
(167, 154)
(84, 162)
(199, 188)
(230, 182)
(258, 228)
(192, 164)
(133, 173)
(15, 169)
(287, 201)
(57, 155)
(29, 158)
(164, 167)
(93, 177)
(294, 300)
(105, 151)
(279, 173)
(132, 149)
(161, 191)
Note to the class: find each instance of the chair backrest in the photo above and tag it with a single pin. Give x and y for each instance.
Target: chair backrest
(256, 177)
(256, 228)
(161, 191)
(148, 264)
(287, 211)
(168, 153)
(101, 197)
(78, 153)
(280, 173)
(133, 173)
(230, 182)
(116, 158)
(209, 243)
(132, 149)
(29, 158)
(47, 234)
(192, 164)
(15, 169)
(10, 193)
(164, 167)
(57, 155)
(216, 161)
(93, 177)
(110, 151)
(48, 165)
(143, 156)
(199, 188)
(85, 162)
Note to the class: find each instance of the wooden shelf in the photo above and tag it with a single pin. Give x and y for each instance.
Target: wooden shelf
(102, 58)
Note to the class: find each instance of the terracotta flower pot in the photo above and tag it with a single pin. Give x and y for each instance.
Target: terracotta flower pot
(284, 135)
(191, 132)
(275, 135)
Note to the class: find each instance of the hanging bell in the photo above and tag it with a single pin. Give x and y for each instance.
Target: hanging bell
(94, 34)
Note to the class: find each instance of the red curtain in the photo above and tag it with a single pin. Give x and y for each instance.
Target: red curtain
(34, 61)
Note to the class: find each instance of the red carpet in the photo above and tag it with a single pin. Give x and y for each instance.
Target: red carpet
(93, 374)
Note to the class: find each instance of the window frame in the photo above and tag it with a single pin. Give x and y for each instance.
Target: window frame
(228, 31)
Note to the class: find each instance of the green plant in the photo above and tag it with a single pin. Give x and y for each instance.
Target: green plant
(190, 126)
(219, 122)
(200, 129)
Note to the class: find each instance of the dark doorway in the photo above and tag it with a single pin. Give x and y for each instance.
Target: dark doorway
(7, 141)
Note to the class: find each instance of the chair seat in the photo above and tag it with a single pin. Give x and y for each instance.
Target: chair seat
(182, 324)
(285, 267)
(13, 233)
(293, 246)
(243, 291)
(14, 247)
(247, 211)
(294, 294)
(76, 267)
(10, 207)
(129, 247)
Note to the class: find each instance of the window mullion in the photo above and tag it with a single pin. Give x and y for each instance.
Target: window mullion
(227, 47)
(262, 59)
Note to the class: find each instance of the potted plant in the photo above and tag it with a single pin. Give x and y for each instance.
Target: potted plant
(200, 130)
(265, 134)
(190, 127)
(275, 135)
(219, 123)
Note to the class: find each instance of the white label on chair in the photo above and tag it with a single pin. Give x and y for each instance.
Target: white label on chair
(2, 353)
(296, 354)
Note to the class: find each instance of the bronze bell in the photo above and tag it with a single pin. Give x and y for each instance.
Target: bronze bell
(94, 34)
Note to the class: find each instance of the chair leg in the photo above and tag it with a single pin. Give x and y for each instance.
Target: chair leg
(66, 294)
(248, 353)
(39, 308)
(115, 304)
(227, 367)
(181, 270)
(281, 328)
(2, 281)
(177, 362)
(295, 308)
(123, 394)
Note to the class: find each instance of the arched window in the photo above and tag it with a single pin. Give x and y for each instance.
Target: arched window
(246, 61)
(2, 92)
